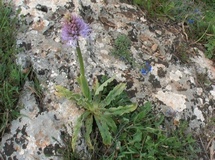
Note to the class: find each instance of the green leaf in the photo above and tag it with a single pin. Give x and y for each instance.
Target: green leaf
(101, 87)
(137, 137)
(80, 100)
(63, 92)
(152, 130)
(117, 90)
(110, 122)
(89, 125)
(104, 130)
(213, 28)
(77, 128)
(147, 108)
(120, 110)
(95, 84)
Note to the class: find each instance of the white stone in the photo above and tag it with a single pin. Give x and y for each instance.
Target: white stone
(169, 87)
(213, 91)
(199, 91)
(57, 39)
(173, 100)
(199, 114)
(54, 74)
(192, 80)
(175, 75)
(156, 67)
(143, 19)
(200, 100)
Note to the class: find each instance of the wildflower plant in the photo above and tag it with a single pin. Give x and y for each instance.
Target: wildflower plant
(96, 108)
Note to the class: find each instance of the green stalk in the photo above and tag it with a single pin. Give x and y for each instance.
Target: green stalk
(82, 79)
(80, 59)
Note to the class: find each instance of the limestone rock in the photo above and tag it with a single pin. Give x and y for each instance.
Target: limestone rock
(170, 85)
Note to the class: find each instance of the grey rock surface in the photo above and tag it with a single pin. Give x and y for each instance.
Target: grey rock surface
(173, 88)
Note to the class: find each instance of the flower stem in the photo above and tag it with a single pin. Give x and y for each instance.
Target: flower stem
(80, 59)
(82, 79)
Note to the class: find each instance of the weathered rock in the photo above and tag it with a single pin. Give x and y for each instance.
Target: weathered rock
(173, 87)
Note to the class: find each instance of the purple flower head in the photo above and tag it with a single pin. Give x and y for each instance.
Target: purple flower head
(73, 27)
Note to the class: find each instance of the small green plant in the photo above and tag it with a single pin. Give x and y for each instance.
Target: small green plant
(182, 52)
(121, 49)
(203, 79)
(96, 107)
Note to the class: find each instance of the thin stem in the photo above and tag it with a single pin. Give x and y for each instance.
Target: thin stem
(80, 59)
(82, 79)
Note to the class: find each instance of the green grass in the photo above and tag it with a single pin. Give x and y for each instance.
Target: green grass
(141, 136)
(121, 49)
(11, 78)
(197, 16)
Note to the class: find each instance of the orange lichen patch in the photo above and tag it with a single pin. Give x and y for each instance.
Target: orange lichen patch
(42, 140)
(26, 2)
(176, 122)
(17, 148)
(154, 47)
(144, 38)
(39, 26)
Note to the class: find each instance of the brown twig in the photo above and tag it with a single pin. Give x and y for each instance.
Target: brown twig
(204, 148)
(183, 30)
(211, 142)
(212, 151)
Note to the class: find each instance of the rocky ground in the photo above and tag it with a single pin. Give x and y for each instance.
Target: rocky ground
(179, 90)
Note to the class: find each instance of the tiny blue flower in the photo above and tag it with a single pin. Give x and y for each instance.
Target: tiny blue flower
(122, 58)
(147, 68)
(197, 11)
(73, 27)
(190, 21)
